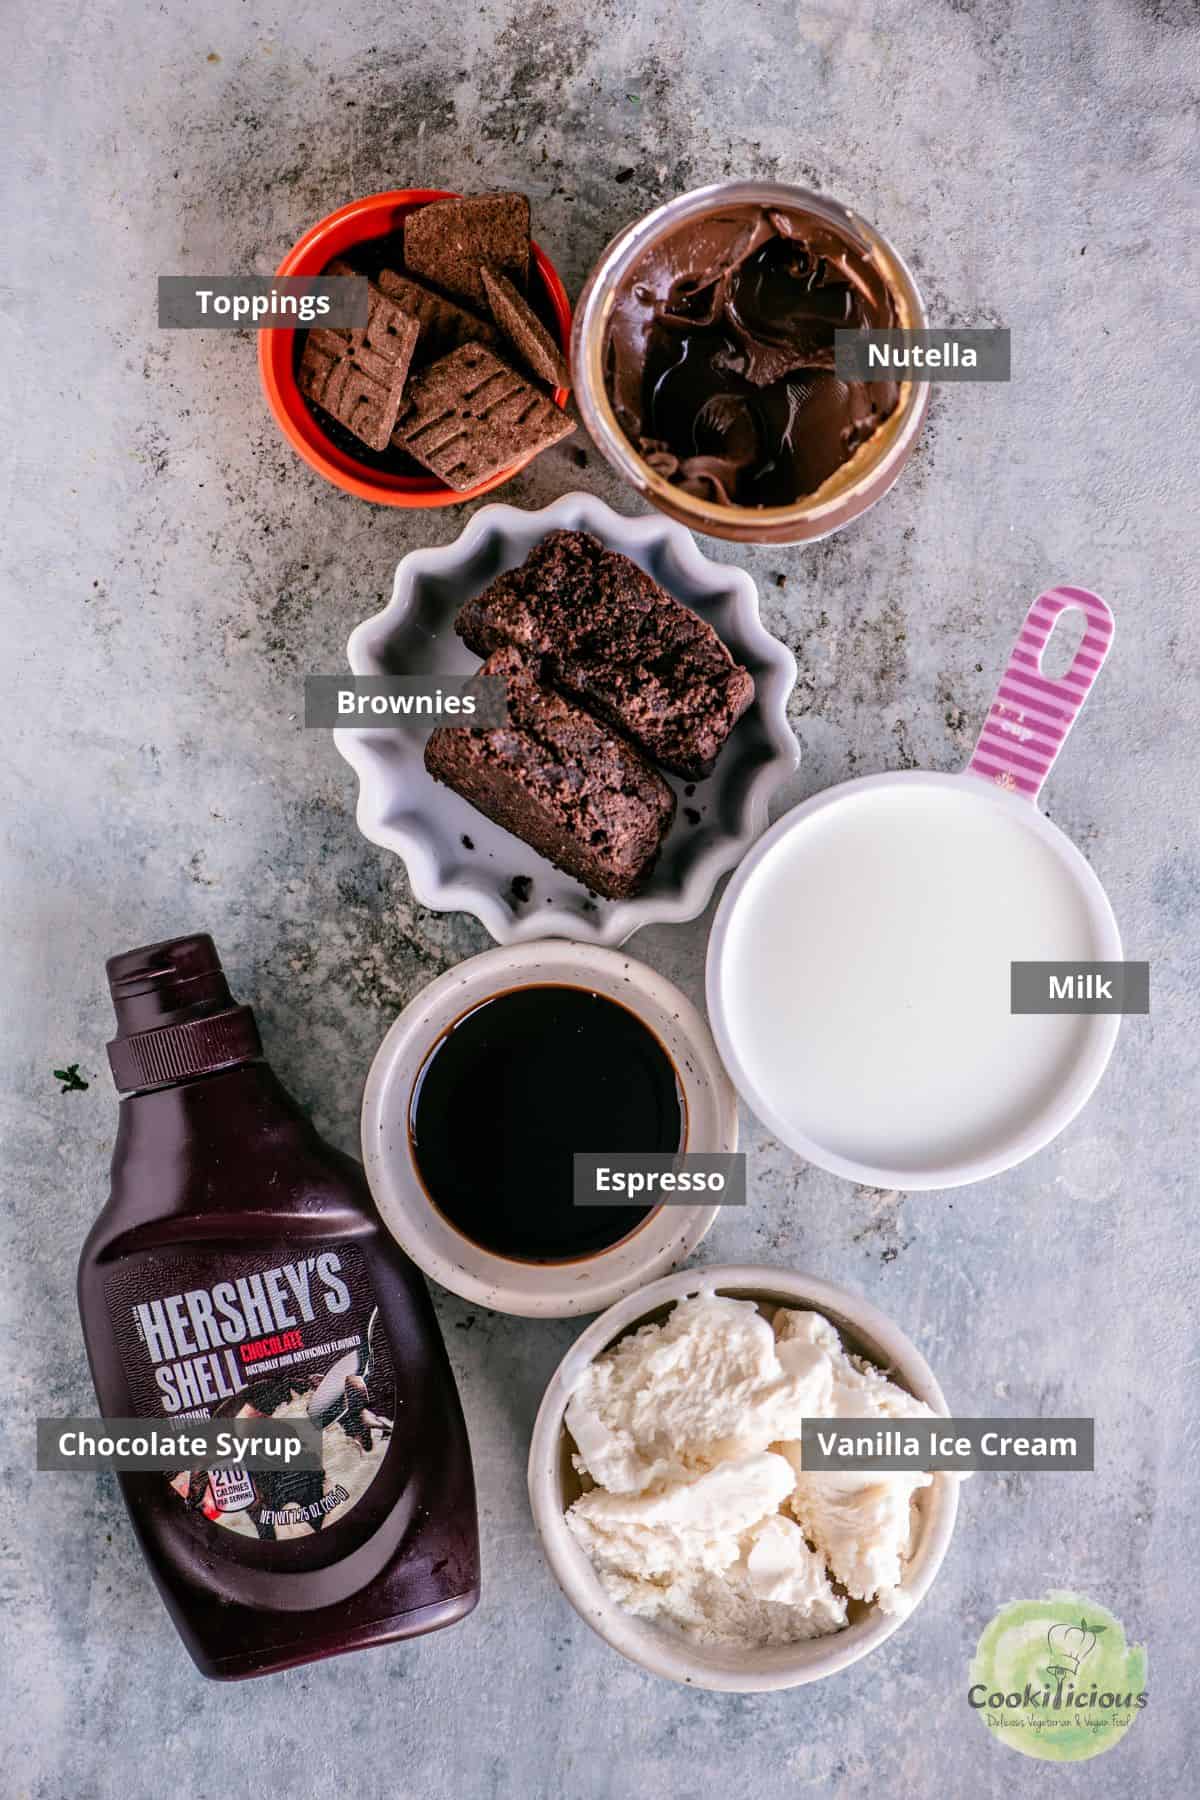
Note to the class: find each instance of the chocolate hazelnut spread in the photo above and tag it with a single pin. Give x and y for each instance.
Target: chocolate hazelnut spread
(719, 355)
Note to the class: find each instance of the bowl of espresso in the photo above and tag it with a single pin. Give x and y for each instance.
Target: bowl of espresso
(491, 1082)
(704, 358)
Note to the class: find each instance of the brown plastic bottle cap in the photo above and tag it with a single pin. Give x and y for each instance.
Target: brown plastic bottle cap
(175, 1014)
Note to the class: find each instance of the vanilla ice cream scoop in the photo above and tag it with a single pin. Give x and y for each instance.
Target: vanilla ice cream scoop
(682, 1525)
(673, 1400)
(701, 1515)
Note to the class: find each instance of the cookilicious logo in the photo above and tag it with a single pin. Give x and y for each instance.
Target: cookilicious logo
(1055, 1678)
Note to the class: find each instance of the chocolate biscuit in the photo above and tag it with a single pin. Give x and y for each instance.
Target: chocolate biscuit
(561, 781)
(358, 375)
(444, 323)
(619, 644)
(359, 388)
(470, 415)
(388, 331)
(521, 325)
(447, 241)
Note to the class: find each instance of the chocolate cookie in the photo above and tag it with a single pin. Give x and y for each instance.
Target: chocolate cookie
(470, 416)
(521, 325)
(358, 376)
(444, 323)
(359, 388)
(447, 241)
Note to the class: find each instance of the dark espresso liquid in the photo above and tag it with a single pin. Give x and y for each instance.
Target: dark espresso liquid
(508, 1096)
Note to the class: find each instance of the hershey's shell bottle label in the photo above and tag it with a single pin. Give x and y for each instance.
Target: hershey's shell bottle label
(239, 1336)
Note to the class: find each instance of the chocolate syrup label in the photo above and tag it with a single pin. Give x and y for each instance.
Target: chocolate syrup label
(247, 1337)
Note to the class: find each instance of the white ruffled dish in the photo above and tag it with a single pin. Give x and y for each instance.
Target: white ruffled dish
(459, 861)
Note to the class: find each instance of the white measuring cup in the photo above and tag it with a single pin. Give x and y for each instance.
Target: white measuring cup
(859, 967)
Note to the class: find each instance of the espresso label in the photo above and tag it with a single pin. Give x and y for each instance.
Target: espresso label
(661, 1178)
(253, 1337)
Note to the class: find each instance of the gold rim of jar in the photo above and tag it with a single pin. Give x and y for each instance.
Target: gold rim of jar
(864, 478)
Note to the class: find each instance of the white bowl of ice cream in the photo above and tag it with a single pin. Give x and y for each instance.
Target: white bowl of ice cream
(665, 1482)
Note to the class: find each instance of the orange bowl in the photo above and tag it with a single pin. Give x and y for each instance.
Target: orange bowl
(339, 235)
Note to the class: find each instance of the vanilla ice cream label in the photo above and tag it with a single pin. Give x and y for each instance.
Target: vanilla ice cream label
(296, 1335)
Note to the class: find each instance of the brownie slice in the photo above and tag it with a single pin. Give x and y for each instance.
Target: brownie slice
(561, 781)
(612, 638)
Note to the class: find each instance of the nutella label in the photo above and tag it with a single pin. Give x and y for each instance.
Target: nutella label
(253, 1337)
(956, 353)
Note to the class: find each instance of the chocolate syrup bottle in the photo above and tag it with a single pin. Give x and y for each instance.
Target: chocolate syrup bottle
(240, 1267)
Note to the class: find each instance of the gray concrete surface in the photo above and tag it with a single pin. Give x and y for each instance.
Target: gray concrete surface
(172, 573)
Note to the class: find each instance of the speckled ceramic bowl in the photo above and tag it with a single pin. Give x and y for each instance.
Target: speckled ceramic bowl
(459, 861)
(554, 1484)
(547, 1290)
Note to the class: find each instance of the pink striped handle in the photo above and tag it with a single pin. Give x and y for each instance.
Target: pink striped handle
(1031, 715)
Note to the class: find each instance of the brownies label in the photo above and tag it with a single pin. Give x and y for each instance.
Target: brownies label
(418, 702)
(229, 1336)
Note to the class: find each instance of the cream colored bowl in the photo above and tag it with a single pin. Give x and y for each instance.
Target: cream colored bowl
(553, 1485)
(547, 1290)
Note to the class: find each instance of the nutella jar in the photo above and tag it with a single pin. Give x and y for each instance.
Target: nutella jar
(703, 362)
